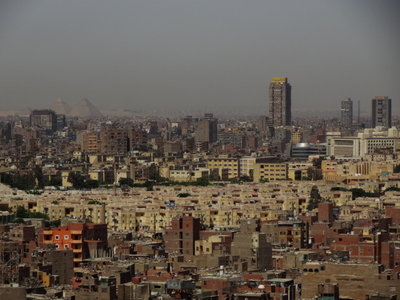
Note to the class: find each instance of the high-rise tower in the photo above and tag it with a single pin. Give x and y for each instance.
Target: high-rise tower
(280, 108)
(206, 129)
(44, 120)
(382, 112)
(346, 113)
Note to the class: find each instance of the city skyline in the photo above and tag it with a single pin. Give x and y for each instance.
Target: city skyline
(200, 150)
(115, 55)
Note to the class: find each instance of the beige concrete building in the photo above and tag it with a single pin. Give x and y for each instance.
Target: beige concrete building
(339, 171)
(370, 141)
(368, 278)
(114, 141)
(225, 167)
(298, 170)
(89, 141)
(217, 206)
(270, 171)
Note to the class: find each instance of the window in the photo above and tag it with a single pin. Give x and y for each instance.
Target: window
(56, 237)
(66, 246)
(66, 237)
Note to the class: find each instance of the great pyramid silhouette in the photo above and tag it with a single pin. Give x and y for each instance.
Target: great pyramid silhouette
(85, 109)
(61, 107)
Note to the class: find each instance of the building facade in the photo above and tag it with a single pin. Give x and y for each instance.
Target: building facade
(368, 142)
(382, 112)
(85, 240)
(346, 113)
(180, 237)
(280, 107)
(206, 129)
(44, 120)
(270, 171)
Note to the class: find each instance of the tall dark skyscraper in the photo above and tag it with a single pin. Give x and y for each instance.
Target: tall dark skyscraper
(346, 113)
(206, 129)
(382, 112)
(280, 106)
(44, 120)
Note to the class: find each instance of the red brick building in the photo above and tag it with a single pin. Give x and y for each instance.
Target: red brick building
(181, 235)
(377, 248)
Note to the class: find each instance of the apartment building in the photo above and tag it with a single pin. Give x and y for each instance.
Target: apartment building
(224, 167)
(270, 171)
(85, 240)
(370, 141)
(180, 237)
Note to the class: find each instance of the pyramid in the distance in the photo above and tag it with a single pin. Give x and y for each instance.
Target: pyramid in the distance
(85, 109)
(61, 107)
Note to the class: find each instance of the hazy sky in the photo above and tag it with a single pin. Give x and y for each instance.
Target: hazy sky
(195, 55)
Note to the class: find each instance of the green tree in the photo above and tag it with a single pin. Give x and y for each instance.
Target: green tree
(80, 182)
(315, 198)
(38, 215)
(339, 188)
(234, 180)
(38, 173)
(245, 178)
(392, 188)
(126, 181)
(22, 212)
(90, 184)
(149, 185)
(6, 178)
(202, 182)
(18, 221)
(76, 179)
(55, 223)
(55, 181)
(358, 192)
(22, 181)
(310, 173)
(94, 202)
(183, 195)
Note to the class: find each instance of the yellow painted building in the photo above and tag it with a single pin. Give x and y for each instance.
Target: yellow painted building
(270, 171)
(298, 170)
(226, 167)
(64, 179)
(337, 171)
